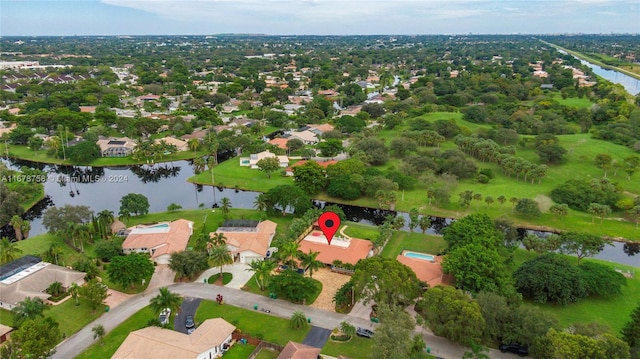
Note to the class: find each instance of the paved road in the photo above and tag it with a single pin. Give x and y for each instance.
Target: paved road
(81, 340)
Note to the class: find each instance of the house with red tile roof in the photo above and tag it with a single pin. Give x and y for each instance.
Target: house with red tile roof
(426, 271)
(344, 249)
(295, 350)
(279, 142)
(160, 240)
(248, 241)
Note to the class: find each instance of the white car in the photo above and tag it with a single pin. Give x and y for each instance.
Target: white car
(164, 316)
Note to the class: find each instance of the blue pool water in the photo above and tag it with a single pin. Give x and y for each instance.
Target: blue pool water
(163, 225)
(416, 255)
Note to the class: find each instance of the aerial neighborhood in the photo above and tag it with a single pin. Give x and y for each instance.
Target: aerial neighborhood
(255, 196)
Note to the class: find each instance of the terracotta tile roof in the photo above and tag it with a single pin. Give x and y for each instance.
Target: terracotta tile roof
(295, 350)
(164, 240)
(256, 241)
(323, 164)
(280, 142)
(160, 343)
(426, 271)
(352, 252)
(325, 127)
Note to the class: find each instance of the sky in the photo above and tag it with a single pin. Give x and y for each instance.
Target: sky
(316, 17)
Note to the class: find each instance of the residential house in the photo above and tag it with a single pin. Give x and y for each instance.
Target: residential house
(279, 142)
(116, 147)
(253, 159)
(426, 271)
(248, 240)
(160, 240)
(306, 136)
(342, 248)
(295, 350)
(180, 144)
(7, 130)
(210, 340)
(29, 276)
(320, 129)
(5, 330)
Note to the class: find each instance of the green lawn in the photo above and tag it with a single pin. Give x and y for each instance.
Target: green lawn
(230, 174)
(576, 102)
(416, 241)
(239, 351)
(270, 328)
(114, 338)
(267, 354)
(361, 231)
(592, 309)
(355, 348)
(226, 278)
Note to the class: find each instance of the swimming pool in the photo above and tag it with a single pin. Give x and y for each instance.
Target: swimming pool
(418, 255)
(161, 225)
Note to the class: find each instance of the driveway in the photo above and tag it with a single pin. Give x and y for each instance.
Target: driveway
(189, 307)
(240, 275)
(317, 337)
(162, 276)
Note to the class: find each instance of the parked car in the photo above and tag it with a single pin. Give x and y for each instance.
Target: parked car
(515, 348)
(189, 324)
(365, 333)
(164, 316)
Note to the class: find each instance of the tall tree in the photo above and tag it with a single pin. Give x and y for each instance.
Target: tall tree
(9, 250)
(27, 309)
(393, 339)
(262, 271)
(165, 299)
(17, 224)
(385, 280)
(310, 261)
(225, 207)
(268, 165)
(130, 269)
(98, 333)
(187, 264)
(36, 338)
(134, 203)
(631, 331)
(310, 177)
(582, 244)
(95, 293)
(219, 256)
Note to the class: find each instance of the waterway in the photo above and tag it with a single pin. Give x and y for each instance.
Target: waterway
(166, 183)
(632, 85)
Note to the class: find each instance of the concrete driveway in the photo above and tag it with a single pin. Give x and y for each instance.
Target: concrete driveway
(163, 276)
(240, 275)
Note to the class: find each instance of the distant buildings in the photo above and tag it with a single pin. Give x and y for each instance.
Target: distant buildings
(253, 159)
(116, 147)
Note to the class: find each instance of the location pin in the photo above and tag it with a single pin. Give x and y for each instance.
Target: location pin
(329, 223)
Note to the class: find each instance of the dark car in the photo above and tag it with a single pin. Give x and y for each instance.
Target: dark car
(189, 323)
(515, 348)
(365, 333)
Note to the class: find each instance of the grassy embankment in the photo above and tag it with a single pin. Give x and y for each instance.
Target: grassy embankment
(579, 162)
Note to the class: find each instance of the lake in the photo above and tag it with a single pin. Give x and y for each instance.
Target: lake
(166, 183)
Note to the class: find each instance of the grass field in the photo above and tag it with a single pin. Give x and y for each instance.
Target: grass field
(573, 101)
(270, 328)
(419, 242)
(267, 354)
(240, 351)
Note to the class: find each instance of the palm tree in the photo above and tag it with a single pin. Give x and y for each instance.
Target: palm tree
(309, 261)
(98, 332)
(27, 309)
(261, 202)
(165, 299)
(193, 144)
(288, 251)
(217, 239)
(198, 164)
(225, 206)
(262, 271)
(25, 227)
(16, 223)
(298, 320)
(106, 218)
(9, 251)
(220, 256)
(74, 290)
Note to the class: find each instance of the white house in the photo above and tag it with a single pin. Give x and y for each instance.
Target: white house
(306, 136)
(252, 160)
(210, 340)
